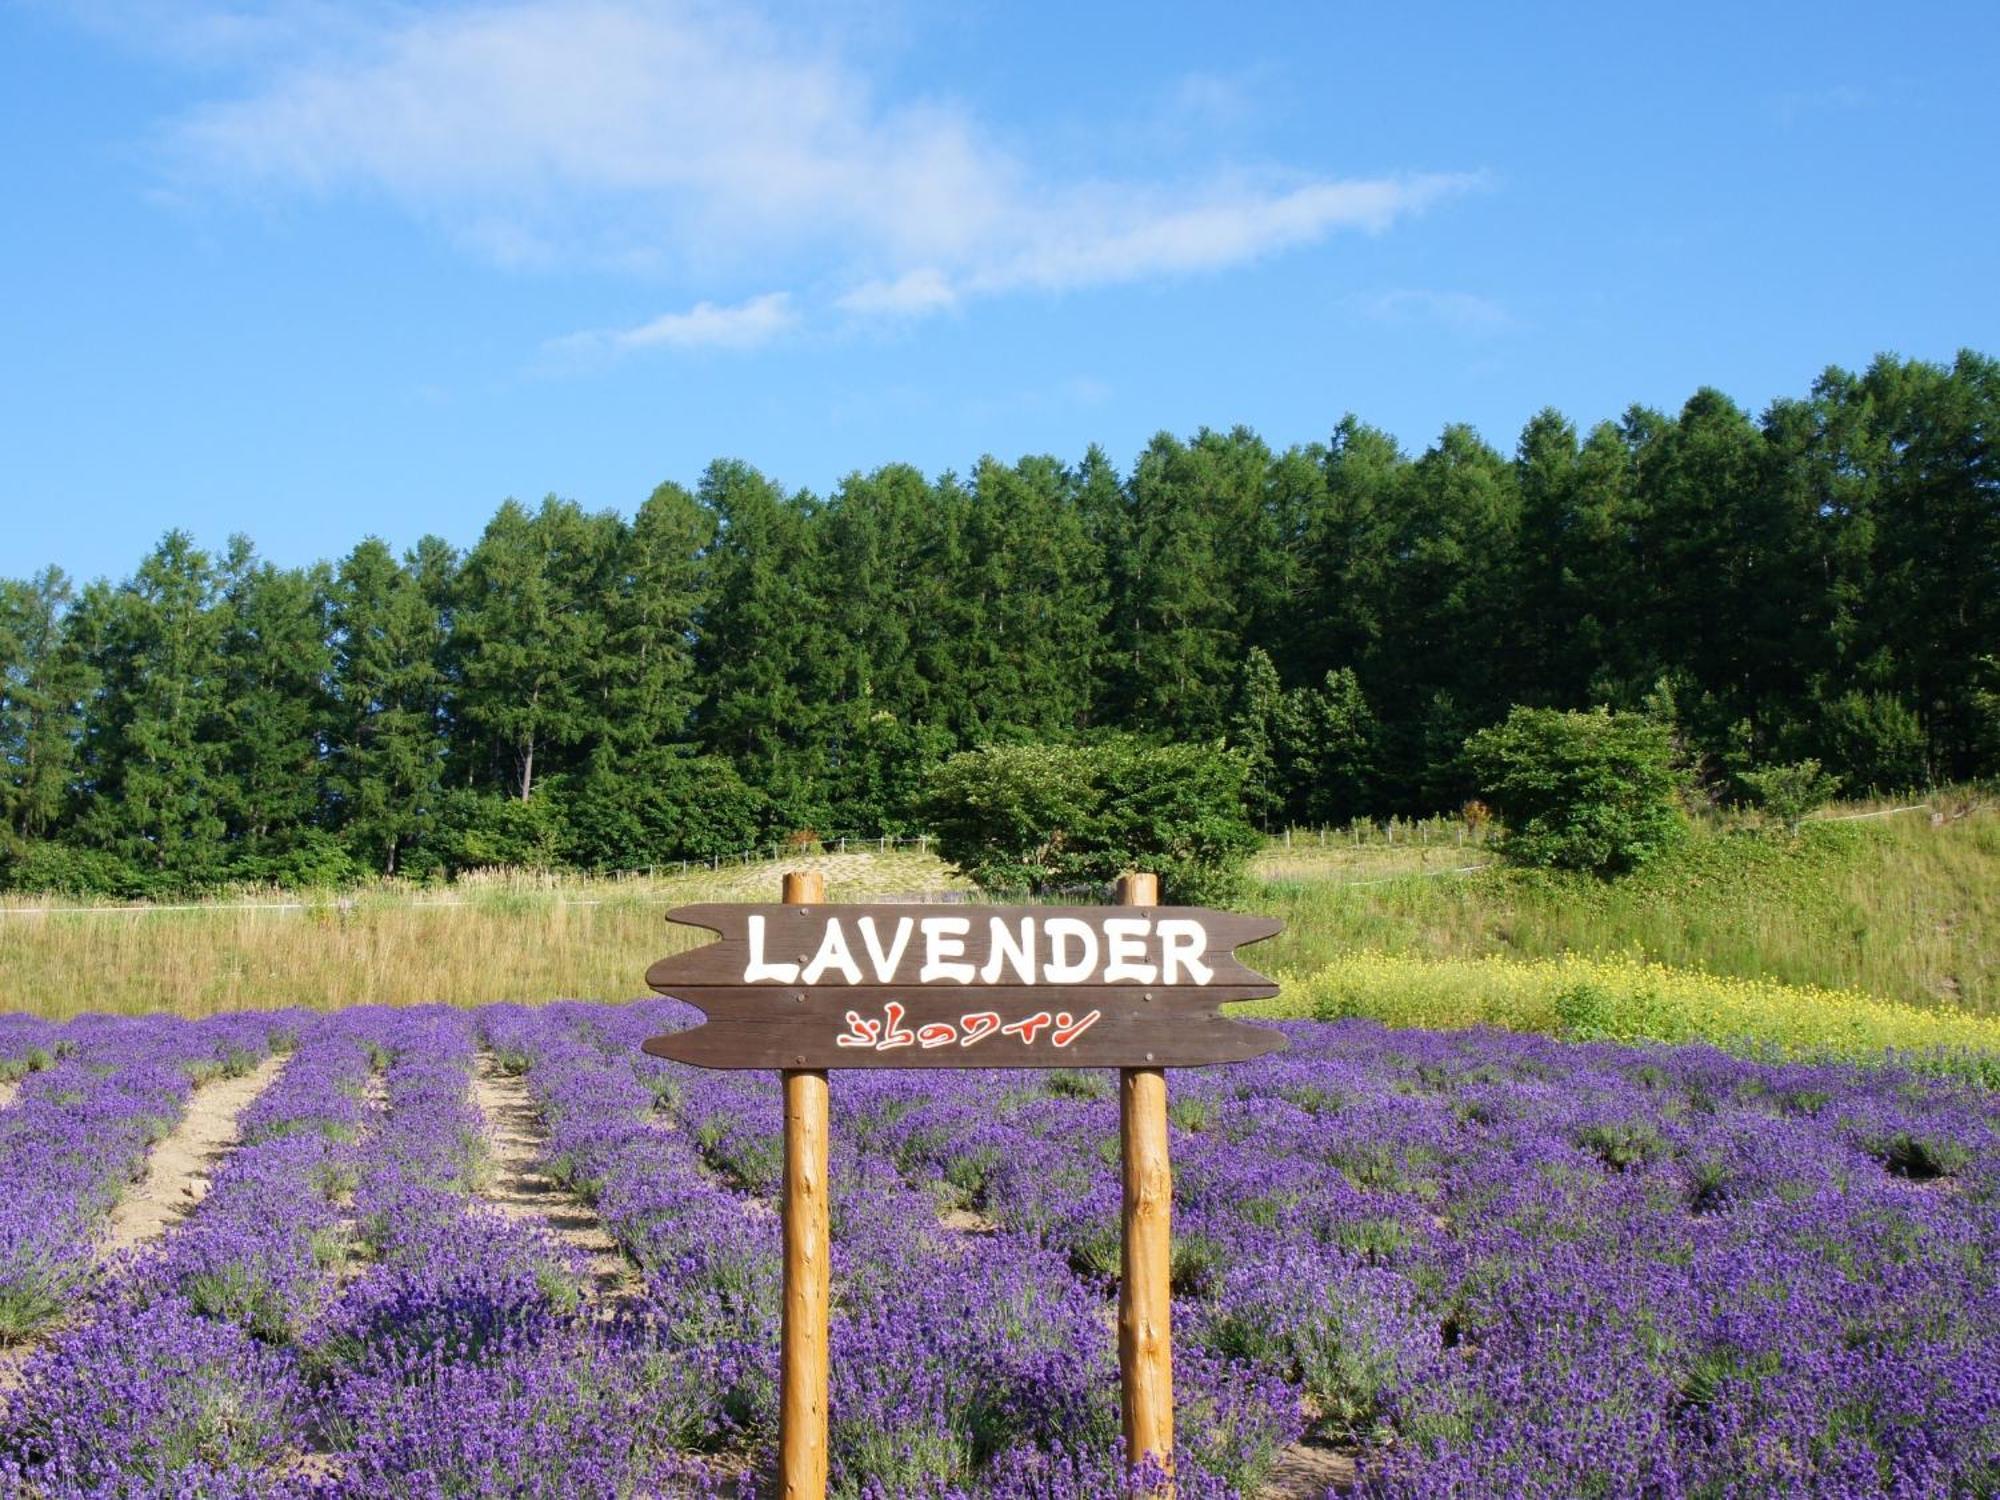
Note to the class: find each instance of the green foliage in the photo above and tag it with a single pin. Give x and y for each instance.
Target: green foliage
(485, 830)
(1309, 754)
(41, 865)
(1814, 582)
(385, 760)
(656, 805)
(1873, 741)
(154, 741)
(1037, 816)
(529, 635)
(1789, 792)
(1579, 791)
(44, 677)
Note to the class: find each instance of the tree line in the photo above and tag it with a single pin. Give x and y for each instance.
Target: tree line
(740, 661)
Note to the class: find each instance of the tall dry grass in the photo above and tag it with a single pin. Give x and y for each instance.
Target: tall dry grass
(1890, 907)
(502, 937)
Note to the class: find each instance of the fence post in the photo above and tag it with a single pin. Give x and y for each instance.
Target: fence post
(802, 1370)
(1145, 1292)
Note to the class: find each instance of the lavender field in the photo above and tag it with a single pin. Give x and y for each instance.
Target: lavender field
(1465, 1263)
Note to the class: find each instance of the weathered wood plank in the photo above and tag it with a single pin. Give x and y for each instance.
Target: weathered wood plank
(829, 1003)
(908, 945)
(1113, 1040)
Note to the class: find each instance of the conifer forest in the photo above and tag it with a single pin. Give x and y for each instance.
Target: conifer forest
(740, 661)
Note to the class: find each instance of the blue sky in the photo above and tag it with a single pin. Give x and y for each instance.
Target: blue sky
(309, 271)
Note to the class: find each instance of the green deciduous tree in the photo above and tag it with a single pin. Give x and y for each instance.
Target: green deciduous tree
(1579, 791)
(1016, 817)
(1789, 792)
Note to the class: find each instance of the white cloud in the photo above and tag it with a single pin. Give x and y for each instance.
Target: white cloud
(673, 136)
(703, 326)
(1101, 239)
(924, 290)
(1461, 311)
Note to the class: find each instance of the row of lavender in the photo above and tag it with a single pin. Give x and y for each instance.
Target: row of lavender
(1500, 1264)
(92, 1099)
(1488, 1264)
(962, 1364)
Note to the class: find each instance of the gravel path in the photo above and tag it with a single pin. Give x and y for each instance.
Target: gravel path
(521, 1189)
(178, 1168)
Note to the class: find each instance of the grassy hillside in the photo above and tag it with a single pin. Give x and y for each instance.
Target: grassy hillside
(1893, 908)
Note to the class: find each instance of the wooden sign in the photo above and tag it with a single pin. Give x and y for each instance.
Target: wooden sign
(803, 987)
(899, 986)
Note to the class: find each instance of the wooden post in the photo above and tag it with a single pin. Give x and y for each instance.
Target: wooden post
(1145, 1333)
(802, 1380)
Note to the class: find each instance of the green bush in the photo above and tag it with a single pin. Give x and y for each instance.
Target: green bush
(1580, 791)
(482, 830)
(42, 865)
(1014, 817)
(659, 805)
(314, 860)
(1874, 740)
(1789, 792)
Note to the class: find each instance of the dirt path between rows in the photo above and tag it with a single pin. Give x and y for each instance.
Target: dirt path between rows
(1306, 1471)
(522, 1189)
(8, 1089)
(177, 1171)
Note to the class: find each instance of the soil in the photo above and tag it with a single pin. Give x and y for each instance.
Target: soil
(1307, 1471)
(177, 1171)
(968, 1221)
(8, 1089)
(521, 1189)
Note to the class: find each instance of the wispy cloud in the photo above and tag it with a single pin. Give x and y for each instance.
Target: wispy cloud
(913, 294)
(703, 326)
(714, 147)
(1463, 312)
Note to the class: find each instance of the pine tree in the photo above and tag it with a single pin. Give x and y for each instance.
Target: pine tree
(1034, 598)
(659, 588)
(386, 748)
(766, 663)
(277, 666)
(1257, 729)
(1199, 530)
(529, 625)
(44, 680)
(1328, 746)
(155, 737)
(1349, 548)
